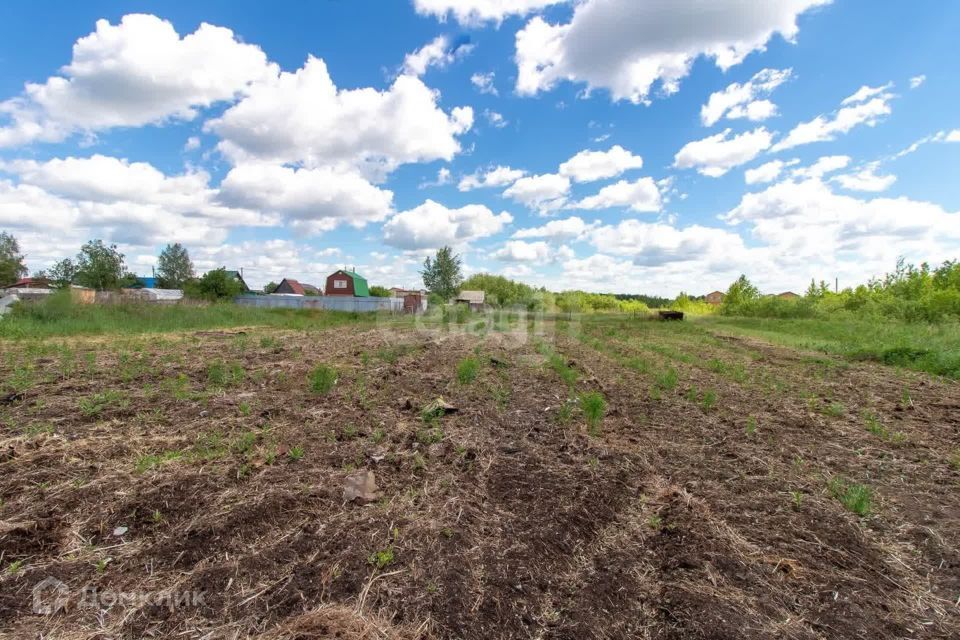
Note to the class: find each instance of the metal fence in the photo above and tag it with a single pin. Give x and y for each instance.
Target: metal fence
(330, 303)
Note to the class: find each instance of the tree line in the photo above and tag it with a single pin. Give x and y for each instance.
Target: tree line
(102, 267)
(909, 293)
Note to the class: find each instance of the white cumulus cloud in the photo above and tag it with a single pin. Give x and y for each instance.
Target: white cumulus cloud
(484, 82)
(767, 172)
(315, 200)
(498, 176)
(439, 53)
(866, 179)
(302, 117)
(587, 166)
(745, 100)
(626, 46)
(867, 106)
(640, 195)
(475, 12)
(137, 72)
(572, 228)
(714, 155)
(545, 192)
(432, 225)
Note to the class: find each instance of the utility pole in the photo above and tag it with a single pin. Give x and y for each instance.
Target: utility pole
(836, 284)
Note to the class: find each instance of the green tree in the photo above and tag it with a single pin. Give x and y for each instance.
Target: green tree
(101, 267)
(214, 285)
(442, 274)
(12, 266)
(63, 273)
(380, 292)
(740, 292)
(270, 287)
(174, 267)
(501, 291)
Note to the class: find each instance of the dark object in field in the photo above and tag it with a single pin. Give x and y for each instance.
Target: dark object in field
(671, 315)
(10, 398)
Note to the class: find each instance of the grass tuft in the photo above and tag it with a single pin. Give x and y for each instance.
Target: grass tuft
(322, 379)
(855, 497)
(593, 406)
(467, 370)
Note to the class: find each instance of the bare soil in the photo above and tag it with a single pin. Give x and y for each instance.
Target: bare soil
(704, 506)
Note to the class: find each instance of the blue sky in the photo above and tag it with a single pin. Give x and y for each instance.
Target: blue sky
(610, 145)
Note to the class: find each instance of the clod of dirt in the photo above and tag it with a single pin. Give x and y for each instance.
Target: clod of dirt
(361, 486)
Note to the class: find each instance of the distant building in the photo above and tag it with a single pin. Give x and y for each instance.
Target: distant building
(310, 290)
(347, 283)
(472, 298)
(714, 297)
(237, 276)
(144, 282)
(31, 283)
(788, 295)
(398, 292)
(154, 295)
(290, 286)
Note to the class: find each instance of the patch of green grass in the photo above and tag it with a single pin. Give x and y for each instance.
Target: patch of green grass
(244, 409)
(751, 427)
(558, 363)
(467, 370)
(709, 399)
(152, 461)
(875, 427)
(419, 462)
(14, 567)
(296, 453)
(378, 436)
(221, 374)
(322, 379)
(382, 558)
(430, 435)
(955, 460)
(564, 414)
(99, 402)
(930, 347)
(245, 443)
(593, 406)
(501, 396)
(58, 316)
(835, 409)
(735, 371)
(797, 499)
(667, 380)
(391, 354)
(855, 497)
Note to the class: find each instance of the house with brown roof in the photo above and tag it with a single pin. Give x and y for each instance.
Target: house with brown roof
(290, 286)
(31, 283)
(714, 297)
(474, 299)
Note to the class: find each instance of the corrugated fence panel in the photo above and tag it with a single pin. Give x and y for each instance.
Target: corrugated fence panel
(330, 303)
